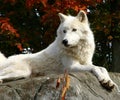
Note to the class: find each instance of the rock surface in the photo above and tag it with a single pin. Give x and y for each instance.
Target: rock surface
(83, 86)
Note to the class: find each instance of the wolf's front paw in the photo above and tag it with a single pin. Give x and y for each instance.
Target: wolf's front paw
(108, 84)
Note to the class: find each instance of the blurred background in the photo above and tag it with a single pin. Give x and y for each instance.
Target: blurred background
(28, 26)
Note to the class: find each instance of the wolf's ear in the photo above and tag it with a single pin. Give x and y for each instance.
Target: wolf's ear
(82, 16)
(62, 17)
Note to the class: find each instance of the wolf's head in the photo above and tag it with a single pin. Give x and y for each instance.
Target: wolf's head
(73, 29)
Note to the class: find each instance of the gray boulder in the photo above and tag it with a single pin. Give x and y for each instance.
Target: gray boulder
(83, 86)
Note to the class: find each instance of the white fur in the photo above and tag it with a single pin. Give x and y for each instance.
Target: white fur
(2, 57)
(57, 57)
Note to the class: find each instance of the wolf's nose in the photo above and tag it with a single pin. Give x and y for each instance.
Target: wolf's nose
(65, 42)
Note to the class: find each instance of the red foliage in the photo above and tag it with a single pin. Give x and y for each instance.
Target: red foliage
(31, 3)
(6, 26)
(19, 46)
(64, 6)
(44, 2)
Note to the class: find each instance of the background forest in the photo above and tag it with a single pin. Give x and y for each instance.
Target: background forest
(30, 25)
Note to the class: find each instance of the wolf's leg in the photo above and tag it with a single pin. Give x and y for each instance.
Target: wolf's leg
(14, 75)
(100, 72)
(13, 72)
(103, 77)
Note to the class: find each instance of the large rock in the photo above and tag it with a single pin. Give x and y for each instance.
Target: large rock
(83, 86)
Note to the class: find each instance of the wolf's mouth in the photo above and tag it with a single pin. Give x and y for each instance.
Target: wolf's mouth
(66, 45)
(70, 46)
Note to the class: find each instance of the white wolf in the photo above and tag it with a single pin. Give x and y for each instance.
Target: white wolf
(72, 50)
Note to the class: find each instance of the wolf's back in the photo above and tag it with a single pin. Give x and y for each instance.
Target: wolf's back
(2, 57)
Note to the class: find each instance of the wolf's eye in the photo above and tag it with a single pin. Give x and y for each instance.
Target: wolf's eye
(74, 29)
(64, 31)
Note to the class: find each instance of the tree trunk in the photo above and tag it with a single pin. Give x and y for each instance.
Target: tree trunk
(116, 55)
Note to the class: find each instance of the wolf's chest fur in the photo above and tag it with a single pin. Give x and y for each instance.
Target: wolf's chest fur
(81, 51)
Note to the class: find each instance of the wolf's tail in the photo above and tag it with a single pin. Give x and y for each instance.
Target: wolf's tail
(2, 57)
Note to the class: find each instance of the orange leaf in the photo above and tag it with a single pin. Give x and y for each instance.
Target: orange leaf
(66, 86)
(19, 46)
(110, 37)
(67, 81)
(29, 3)
(63, 93)
(44, 2)
(58, 82)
